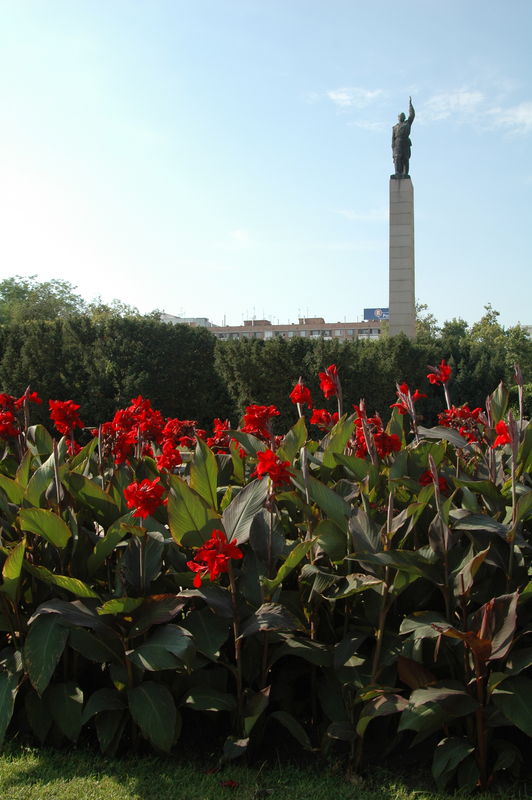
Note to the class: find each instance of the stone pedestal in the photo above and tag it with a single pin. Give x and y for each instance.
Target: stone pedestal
(402, 301)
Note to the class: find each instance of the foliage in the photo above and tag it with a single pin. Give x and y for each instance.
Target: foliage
(363, 590)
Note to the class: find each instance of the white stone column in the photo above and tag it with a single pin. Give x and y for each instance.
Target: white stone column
(402, 300)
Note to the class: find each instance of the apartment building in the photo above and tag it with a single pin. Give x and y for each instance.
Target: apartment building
(311, 327)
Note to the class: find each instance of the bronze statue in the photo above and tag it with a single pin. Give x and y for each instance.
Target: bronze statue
(401, 144)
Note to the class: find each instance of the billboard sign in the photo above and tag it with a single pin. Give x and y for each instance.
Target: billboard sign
(376, 314)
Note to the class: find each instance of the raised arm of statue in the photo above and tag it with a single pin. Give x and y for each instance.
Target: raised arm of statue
(411, 112)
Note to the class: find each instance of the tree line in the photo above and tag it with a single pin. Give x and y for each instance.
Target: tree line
(103, 355)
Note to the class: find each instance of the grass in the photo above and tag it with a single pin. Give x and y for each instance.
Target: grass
(28, 774)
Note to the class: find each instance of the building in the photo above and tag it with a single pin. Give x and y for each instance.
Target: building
(310, 327)
(194, 322)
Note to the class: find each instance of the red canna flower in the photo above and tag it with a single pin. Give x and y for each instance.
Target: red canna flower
(329, 381)
(503, 434)
(440, 374)
(425, 479)
(32, 397)
(170, 456)
(323, 419)
(466, 421)
(145, 497)
(213, 557)
(8, 425)
(257, 420)
(64, 415)
(268, 463)
(301, 394)
(403, 394)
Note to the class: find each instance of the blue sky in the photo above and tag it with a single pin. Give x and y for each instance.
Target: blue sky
(231, 158)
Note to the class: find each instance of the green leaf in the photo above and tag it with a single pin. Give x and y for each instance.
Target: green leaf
(205, 698)
(101, 649)
(46, 524)
(358, 467)
(351, 584)
(109, 728)
(43, 477)
(190, 518)
(106, 545)
(65, 701)
(120, 605)
(293, 441)
(153, 709)
(440, 432)
(8, 692)
(204, 474)
(294, 727)
(44, 645)
(329, 502)
(380, 706)
(335, 441)
(73, 585)
(250, 443)
(513, 699)
(296, 555)
(37, 714)
(12, 569)
(92, 497)
(39, 441)
(210, 631)
(14, 491)
(240, 513)
(270, 617)
(449, 753)
(170, 647)
(332, 539)
(103, 700)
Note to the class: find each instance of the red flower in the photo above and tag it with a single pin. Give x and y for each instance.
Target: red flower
(7, 402)
(462, 419)
(301, 394)
(64, 415)
(170, 456)
(439, 374)
(257, 420)
(425, 479)
(403, 395)
(145, 497)
(268, 463)
(213, 557)
(329, 382)
(323, 419)
(386, 443)
(32, 397)
(503, 434)
(8, 423)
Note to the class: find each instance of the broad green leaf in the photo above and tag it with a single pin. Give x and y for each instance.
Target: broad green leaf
(103, 700)
(8, 692)
(65, 701)
(465, 574)
(351, 584)
(13, 490)
(73, 613)
(210, 631)
(296, 555)
(37, 714)
(440, 432)
(12, 569)
(44, 476)
(293, 441)
(155, 610)
(448, 754)
(190, 518)
(153, 709)
(513, 699)
(99, 648)
(485, 488)
(358, 467)
(499, 402)
(206, 698)
(73, 585)
(120, 605)
(329, 502)
(46, 524)
(109, 729)
(313, 652)
(270, 617)
(294, 727)
(332, 539)
(39, 441)
(170, 647)
(381, 706)
(335, 441)
(92, 497)
(524, 506)
(204, 474)
(240, 513)
(23, 473)
(44, 645)
(106, 545)
(250, 443)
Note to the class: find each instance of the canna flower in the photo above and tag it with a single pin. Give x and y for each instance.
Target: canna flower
(425, 479)
(440, 374)
(213, 557)
(257, 420)
(64, 415)
(503, 434)
(144, 497)
(323, 419)
(268, 463)
(301, 394)
(8, 425)
(403, 394)
(329, 381)
(170, 456)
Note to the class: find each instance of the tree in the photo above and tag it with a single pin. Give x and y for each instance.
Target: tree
(28, 299)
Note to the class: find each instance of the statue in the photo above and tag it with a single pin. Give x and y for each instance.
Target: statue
(401, 143)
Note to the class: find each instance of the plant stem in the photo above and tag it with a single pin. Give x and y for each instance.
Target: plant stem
(238, 649)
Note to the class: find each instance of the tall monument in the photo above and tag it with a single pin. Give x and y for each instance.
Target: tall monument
(402, 300)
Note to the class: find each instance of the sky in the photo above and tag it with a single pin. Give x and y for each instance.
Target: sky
(231, 159)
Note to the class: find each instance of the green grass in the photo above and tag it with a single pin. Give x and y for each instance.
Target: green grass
(28, 774)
